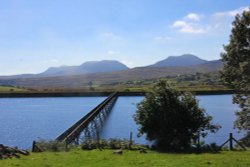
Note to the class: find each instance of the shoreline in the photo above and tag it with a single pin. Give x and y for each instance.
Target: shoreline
(95, 94)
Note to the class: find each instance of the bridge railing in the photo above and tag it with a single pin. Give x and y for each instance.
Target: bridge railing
(75, 130)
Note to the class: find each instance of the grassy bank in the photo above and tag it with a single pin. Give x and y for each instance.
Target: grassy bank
(96, 158)
(11, 89)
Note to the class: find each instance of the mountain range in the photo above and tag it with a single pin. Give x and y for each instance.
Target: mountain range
(110, 71)
(86, 68)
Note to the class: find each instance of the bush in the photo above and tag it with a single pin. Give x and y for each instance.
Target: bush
(171, 118)
(109, 144)
(52, 145)
(246, 140)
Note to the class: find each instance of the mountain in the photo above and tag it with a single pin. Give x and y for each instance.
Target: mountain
(183, 60)
(139, 73)
(216, 65)
(86, 68)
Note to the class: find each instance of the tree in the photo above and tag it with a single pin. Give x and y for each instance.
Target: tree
(90, 84)
(171, 118)
(236, 70)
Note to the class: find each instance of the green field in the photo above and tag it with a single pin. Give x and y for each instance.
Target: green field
(11, 89)
(97, 158)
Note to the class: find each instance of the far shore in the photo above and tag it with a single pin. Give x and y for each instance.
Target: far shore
(95, 94)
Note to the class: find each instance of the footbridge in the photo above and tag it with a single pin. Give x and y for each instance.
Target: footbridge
(90, 125)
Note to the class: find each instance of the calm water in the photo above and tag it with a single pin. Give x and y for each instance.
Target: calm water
(23, 120)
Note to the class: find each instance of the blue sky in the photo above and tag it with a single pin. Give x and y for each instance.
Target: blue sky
(37, 34)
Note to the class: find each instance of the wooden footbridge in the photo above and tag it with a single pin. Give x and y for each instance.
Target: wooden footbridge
(89, 125)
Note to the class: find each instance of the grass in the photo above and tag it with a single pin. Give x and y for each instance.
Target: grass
(11, 89)
(96, 158)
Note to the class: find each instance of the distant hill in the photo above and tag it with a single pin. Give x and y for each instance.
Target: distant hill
(139, 73)
(209, 65)
(86, 68)
(183, 60)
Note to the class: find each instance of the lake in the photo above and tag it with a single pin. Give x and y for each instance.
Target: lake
(23, 120)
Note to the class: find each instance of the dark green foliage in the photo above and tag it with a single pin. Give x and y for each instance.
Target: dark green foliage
(246, 140)
(236, 71)
(52, 145)
(171, 118)
(108, 144)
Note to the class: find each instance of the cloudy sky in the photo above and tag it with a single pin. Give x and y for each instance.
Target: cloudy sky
(37, 34)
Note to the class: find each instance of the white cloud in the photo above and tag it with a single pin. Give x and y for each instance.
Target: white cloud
(190, 24)
(54, 61)
(162, 38)
(221, 21)
(128, 63)
(230, 13)
(179, 23)
(112, 52)
(193, 17)
(193, 30)
(189, 27)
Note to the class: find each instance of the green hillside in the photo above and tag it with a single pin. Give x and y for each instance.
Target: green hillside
(97, 158)
(11, 89)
